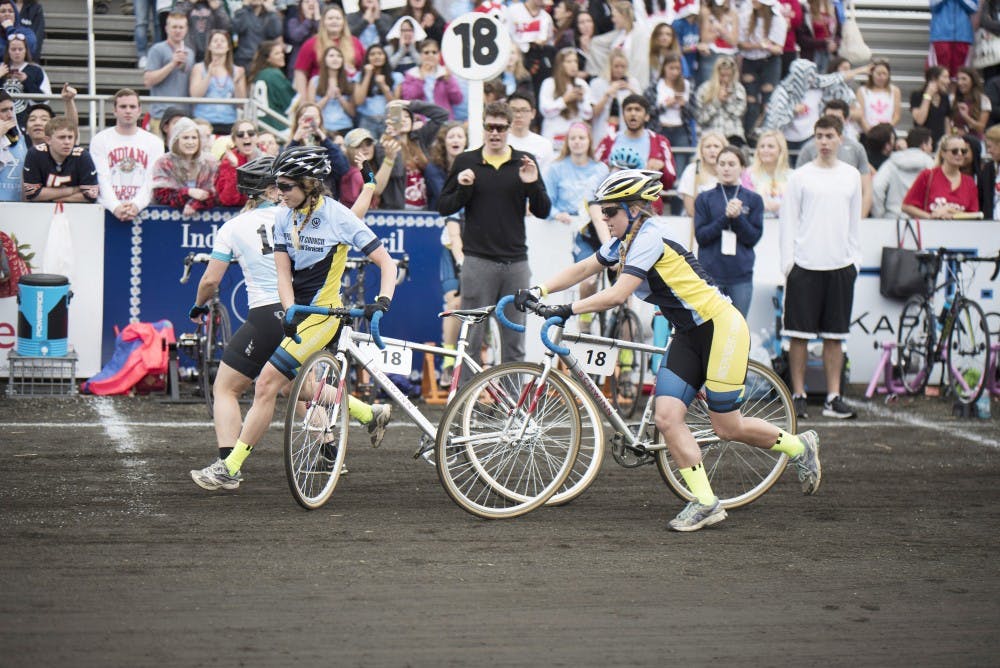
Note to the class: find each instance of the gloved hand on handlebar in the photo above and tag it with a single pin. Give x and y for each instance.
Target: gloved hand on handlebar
(526, 296)
(289, 328)
(564, 311)
(197, 312)
(381, 304)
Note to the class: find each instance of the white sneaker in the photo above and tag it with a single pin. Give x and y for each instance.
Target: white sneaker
(142, 62)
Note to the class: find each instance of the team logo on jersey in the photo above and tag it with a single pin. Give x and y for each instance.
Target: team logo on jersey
(314, 222)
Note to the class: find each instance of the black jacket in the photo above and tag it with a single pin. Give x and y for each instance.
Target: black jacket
(987, 188)
(494, 205)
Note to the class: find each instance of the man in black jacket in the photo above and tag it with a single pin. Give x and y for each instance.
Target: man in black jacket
(493, 183)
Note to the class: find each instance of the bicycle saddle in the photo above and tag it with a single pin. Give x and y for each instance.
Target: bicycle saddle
(472, 315)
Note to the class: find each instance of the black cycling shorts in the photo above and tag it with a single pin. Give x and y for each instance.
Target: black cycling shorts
(254, 342)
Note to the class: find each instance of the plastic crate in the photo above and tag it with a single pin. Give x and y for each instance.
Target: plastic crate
(41, 376)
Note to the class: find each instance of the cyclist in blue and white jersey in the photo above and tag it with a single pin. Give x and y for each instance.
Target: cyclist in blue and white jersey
(248, 239)
(311, 241)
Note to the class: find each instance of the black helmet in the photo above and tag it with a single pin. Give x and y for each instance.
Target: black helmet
(253, 178)
(302, 162)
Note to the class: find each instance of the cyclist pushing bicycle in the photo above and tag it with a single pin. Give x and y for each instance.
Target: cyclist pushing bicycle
(311, 241)
(710, 346)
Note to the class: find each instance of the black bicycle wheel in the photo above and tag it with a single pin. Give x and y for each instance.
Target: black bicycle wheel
(968, 354)
(915, 344)
(629, 375)
(218, 331)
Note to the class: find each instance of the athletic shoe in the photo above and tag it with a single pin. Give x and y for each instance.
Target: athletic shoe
(807, 464)
(142, 62)
(381, 414)
(444, 380)
(836, 408)
(216, 476)
(801, 407)
(697, 515)
(327, 456)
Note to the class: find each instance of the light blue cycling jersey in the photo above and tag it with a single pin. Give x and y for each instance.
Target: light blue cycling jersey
(249, 239)
(671, 276)
(318, 248)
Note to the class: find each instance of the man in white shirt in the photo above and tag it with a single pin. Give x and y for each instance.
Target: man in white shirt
(124, 156)
(521, 137)
(820, 221)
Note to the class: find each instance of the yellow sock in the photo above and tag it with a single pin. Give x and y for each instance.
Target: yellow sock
(234, 462)
(359, 410)
(448, 362)
(697, 482)
(586, 317)
(626, 357)
(790, 444)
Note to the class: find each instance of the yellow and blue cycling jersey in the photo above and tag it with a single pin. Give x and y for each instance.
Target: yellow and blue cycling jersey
(318, 249)
(672, 278)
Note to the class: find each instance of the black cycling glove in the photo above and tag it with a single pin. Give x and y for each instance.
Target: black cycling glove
(564, 311)
(381, 304)
(197, 311)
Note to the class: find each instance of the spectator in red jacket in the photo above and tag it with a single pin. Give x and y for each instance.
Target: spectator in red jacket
(244, 136)
(185, 164)
(635, 112)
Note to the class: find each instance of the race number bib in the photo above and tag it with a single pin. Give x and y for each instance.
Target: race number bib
(594, 359)
(394, 359)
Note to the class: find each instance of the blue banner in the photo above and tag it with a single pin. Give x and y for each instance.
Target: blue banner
(144, 260)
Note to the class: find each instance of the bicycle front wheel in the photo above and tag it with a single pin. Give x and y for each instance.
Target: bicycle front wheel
(914, 344)
(590, 456)
(507, 442)
(629, 375)
(316, 430)
(218, 331)
(969, 351)
(739, 473)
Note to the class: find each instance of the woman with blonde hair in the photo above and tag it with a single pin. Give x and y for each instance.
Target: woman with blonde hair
(699, 175)
(218, 77)
(944, 192)
(768, 173)
(608, 91)
(722, 101)
(564, 98)
(183, 178)
(332, 32)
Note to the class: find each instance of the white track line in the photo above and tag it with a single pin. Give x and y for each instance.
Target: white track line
(950, 428)
(122, 426)
(120, 434)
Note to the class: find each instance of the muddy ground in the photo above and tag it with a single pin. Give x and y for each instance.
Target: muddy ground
(111, 556)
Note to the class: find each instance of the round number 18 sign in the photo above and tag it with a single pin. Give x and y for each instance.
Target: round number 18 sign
(476, 46)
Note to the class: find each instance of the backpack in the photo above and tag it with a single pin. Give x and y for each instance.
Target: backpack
(12, 265)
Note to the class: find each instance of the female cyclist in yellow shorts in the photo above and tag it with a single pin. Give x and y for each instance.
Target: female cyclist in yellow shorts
(311, 240)
(710, 346)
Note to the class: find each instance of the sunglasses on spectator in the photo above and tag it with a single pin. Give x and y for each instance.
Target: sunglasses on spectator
(286, 187)
(246, 133)
(610, 211)
(18, 37)
(496, 127)
(957, 151)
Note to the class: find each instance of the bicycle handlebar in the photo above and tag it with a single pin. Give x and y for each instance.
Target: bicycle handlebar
(189, 260)
(341, 312)
(551, 322)
(509, 324)
(960, 256)
(554, 321)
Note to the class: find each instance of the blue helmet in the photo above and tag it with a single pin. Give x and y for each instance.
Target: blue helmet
(626, 157)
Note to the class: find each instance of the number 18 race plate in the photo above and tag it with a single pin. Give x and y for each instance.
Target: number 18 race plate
(394, 359)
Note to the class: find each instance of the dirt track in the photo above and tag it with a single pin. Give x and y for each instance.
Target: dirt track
(112, 557)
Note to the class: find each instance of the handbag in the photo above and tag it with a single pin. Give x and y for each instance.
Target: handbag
(58, 258)
(901, 275)
(986, 49)
(852, 43)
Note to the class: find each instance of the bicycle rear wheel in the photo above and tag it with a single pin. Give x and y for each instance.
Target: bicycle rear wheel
(968, 351)
(629, 375)
(506, 444)
(316, 430)
(739, 473)
(915, 344)
(218, 331)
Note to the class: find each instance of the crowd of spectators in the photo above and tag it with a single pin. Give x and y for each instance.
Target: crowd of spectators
(675, 81)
